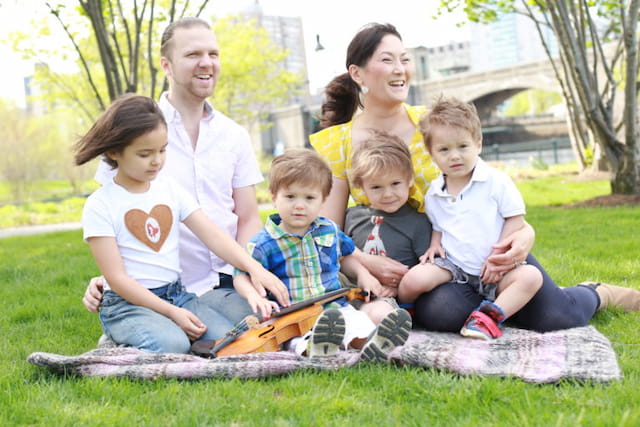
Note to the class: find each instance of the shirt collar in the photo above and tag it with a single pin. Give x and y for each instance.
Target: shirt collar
(481, 171)
(402, 211)
(272, 226)
(172, 115)
(480, 174)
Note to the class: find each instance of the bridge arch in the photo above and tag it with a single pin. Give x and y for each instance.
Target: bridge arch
(488, 89)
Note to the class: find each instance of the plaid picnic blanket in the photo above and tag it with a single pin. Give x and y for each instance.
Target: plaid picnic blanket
(580, 353)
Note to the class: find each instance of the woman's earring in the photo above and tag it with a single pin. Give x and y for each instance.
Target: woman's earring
(364, 89)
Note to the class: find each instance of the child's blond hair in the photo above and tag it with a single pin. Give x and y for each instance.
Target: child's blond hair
(300, 166)
(378, 155)
(451, 112)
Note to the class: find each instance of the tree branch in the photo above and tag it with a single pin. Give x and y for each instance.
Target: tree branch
(83, 61)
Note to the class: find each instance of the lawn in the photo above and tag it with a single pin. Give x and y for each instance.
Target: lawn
(44, 277)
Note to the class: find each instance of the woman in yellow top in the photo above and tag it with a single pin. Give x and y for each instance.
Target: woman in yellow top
(371, 97)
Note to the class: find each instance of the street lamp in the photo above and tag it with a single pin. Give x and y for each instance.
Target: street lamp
(319, 46)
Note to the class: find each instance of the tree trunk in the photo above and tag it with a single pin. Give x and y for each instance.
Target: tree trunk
(600, 162)
(626, 180)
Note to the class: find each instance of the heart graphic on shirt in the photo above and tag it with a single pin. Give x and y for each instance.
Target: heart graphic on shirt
(150, 228)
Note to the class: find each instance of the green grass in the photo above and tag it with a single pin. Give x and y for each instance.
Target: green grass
(46, 189)
(43, 278)
(554, 186)
(559, 190)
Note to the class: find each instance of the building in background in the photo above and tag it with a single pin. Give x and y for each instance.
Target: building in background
(436, 62)
(511, 39)
(440, 61)
(286, 32)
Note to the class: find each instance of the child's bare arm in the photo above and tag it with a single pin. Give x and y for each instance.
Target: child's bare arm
(435, 248)
(512, 248)
(229, 250)
(107, 255)
(258, 303)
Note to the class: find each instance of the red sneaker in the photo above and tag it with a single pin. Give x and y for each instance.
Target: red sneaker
(480, 325)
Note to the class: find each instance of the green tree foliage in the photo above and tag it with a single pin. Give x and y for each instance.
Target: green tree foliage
(38, 147)
(253, 80)
(105, 42)
(22, 160)
(533, 101)
(598, 62)
(113, 47)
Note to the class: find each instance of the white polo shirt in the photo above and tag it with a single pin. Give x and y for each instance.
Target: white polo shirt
(223, 160)
(472, 221)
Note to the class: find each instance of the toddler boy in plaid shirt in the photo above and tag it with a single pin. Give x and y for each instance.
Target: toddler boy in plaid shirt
(307, 252)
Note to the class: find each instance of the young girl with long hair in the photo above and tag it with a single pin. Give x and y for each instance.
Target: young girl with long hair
(131, 225)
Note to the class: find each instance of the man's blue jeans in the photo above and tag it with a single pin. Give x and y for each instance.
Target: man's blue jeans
(143, 328)
(227, 301)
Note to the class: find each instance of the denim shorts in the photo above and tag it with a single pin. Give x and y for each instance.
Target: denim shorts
(486, 290)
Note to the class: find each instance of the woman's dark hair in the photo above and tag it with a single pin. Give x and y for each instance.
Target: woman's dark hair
(342, 93)
(127, 118)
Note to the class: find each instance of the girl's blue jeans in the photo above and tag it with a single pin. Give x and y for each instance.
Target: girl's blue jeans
(143, 328)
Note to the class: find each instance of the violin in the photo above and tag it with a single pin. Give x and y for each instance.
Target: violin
(252, 336)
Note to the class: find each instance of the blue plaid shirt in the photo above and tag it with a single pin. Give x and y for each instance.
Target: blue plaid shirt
(308, 265)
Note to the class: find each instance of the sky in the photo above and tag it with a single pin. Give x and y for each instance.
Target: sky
(336, 21)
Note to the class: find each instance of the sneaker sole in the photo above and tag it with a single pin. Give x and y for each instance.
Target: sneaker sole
(392, 332)
(327, 334)
(472, 333)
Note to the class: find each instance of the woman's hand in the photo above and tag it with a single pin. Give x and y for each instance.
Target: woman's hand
(93, 295)
(489, 274)
(389, 272)
(510, 251)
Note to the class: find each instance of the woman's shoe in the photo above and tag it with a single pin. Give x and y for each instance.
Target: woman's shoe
(616, 296)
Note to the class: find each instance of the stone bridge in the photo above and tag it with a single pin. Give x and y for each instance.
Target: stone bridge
(487, 89)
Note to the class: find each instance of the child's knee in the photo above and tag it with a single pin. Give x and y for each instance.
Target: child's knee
(377, 310)
(527, 278)
(413, 284)
(408, 282)
(533, 277)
